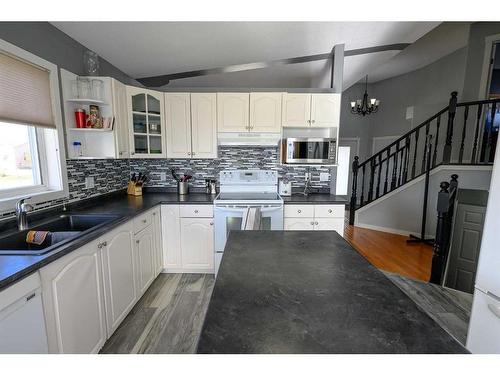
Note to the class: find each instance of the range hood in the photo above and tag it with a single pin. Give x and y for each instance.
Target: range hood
(249, 139)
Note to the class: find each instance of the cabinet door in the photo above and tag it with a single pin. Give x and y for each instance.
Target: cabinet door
(197, 244)
(296, 110)
(325, 110)
(265, 112)
(204, 125)
(121, 119)
(178, 120)
(232, 111)
(119, 277)
(73, 301)
(336, 224)
(145, 259)
(158, 241)
(171, 237)
(298, 224)
(147, 130)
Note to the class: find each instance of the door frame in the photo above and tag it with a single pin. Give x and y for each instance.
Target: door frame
(489, 41)
(349, 181)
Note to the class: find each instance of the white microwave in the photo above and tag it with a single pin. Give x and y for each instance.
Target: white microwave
(309, 150)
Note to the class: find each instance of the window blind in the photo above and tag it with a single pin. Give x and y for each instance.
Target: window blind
(24, 93)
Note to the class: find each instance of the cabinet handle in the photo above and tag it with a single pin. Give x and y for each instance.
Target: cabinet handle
(105, 243)
(154, 213)
(315, 223)
(309, 121)
(195, 211)
(330, 211)
(211, 223)
(137, 241)
(299, 211)
(189, 154)
(192, 154)
(313, 121)
(99, 245)
(312, 222)
(144, 221)
(132, 153)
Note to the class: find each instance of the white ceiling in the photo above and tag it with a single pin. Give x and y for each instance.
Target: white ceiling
(142, 49)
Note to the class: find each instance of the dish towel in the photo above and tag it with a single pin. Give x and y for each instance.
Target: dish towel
(36, 237)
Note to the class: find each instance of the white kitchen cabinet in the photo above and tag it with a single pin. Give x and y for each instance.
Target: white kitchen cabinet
(311, 110)
(73, 299)
(121, 119)
(118, 259)
(197, 243)
(325, 110)
(171, 237)
(336, 224)
(158, 241)
(145, 258)
(296, 110)
(146, 123)
(233, 111)
(265, 112)
(204, 125)
(293, 223)
(178, 121)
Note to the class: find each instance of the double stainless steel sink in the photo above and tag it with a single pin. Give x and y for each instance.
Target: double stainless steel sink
(72, 225)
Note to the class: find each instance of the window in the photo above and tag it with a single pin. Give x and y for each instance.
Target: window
(32, 159)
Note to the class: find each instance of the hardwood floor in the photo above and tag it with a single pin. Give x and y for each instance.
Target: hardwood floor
(167, 319)
(390, 252)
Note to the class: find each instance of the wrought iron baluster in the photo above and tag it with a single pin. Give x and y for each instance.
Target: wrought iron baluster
(387, 170)
(379, 174)
(452, 108)
(352, 207)
(434, 156)
(400, 165)
(415, 154)
(395, 168)
(372, 179)
(464, 131)
(489, 139)
(424, 159)
(476, 135)
(406, 159)
(363, 185)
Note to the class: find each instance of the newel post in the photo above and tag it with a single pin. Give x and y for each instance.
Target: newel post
(352, 207)
(441, 240)
(452, 110)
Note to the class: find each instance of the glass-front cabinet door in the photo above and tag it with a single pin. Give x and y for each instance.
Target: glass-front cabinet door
(147, 129)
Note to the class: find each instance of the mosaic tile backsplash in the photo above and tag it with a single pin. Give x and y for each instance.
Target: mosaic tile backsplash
(111, 175)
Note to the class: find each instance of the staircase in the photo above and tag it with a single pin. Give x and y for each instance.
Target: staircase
(461, 134)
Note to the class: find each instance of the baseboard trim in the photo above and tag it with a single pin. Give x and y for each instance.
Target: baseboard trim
(389, 230)
(186, 270)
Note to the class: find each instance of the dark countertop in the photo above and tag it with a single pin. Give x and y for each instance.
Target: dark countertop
(16, 267)
(311, 292)
(316, 198)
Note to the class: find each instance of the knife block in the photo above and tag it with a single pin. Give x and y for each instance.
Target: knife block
(134, 189)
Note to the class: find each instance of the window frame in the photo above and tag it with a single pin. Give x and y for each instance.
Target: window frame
(50, 143)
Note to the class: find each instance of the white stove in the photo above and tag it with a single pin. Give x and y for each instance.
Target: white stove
(241, 190)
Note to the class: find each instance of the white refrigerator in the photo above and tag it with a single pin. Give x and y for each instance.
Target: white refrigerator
(484, 327)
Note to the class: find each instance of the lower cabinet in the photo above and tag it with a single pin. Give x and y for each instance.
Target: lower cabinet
(118, 260)
(158, 241)
(74, 302)
(197, 241)
(145, 253)
(315, 217)
(293, 223)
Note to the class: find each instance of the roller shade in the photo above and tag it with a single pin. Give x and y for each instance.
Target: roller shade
(24, 93)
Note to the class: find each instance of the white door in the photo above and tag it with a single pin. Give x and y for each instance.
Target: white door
(265, 112)
(178, 121)
(336, 224)
(73, 301)
(146, 123)
(298, 224)
(325, 110)
(121, 119)
(204, 125)
(144, 247)
(118, 271)
(158, 241)
(233, 111)
(171, 236)
(296, 110)
(197, 243)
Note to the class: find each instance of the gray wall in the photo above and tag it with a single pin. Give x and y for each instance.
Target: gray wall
(48, 42)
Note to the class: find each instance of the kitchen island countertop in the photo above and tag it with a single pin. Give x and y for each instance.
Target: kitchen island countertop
(311, 292)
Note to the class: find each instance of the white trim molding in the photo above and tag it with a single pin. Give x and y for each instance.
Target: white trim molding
(489, 41)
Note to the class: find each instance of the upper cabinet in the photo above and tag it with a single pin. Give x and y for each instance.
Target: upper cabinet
(191, 125)
(232, 111)
(265, 112)
(121, 119)
(311, 110)
(146, 123)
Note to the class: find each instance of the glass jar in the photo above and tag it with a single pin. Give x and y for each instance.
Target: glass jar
(83, 86)
(97, 89)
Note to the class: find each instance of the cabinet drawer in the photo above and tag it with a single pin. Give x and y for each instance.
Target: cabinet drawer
(329, 210)
(299, 210)
(143, 221)
(189, 210)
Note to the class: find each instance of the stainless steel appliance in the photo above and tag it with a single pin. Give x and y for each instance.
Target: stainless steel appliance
(241, 190)
(309, 150)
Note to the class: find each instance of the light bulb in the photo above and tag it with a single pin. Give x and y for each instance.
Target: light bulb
(372, 101)
(353, 104)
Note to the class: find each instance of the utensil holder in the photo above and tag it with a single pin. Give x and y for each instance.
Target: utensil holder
(183, 187)
(134, 189)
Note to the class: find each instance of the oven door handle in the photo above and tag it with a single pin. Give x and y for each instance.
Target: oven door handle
(243, 208)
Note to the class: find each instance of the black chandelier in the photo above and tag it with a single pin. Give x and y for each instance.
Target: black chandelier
(362, 107)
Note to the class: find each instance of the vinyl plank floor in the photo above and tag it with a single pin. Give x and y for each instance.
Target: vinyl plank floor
(449, 308)
(167, 319)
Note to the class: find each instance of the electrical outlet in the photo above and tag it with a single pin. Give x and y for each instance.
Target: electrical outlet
(89, 182)
(163, 176)
(323, 176)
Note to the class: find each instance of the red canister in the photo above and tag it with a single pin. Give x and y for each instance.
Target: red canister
(80, 118)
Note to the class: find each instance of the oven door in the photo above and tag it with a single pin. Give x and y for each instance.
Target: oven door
(230, 217)
(309, 151)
